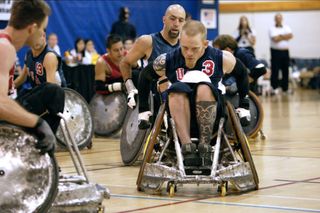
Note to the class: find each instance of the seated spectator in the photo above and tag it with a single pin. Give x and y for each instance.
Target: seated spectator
(53, 43)
(127, 44)
(90, 56)
(76, 55)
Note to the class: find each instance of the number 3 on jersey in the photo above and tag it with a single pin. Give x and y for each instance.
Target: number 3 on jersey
(208, 67)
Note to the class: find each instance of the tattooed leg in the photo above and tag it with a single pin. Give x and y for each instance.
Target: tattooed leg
(206, 115)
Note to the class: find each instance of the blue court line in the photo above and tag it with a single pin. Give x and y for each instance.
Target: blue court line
(216, 203)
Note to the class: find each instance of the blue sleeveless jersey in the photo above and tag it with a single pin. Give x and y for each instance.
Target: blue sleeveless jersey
(160, 46)
(210, 63)
(36, 72)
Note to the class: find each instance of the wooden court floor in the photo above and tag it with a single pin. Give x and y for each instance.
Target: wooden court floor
(288, 164)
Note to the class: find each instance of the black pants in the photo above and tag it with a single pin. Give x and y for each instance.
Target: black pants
(280, 60)
(45, 98)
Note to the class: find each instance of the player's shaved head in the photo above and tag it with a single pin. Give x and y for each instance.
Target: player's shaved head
(174, 8)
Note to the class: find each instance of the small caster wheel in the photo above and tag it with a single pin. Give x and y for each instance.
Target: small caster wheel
(262, 135)
(171, 188)
(100, 209)
(89, 146)
(222, 188)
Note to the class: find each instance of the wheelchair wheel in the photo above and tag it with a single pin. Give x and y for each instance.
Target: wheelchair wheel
(29, 181)
(133, 138)
(79, 119)
(149, 150)
(108, 112)
(256, 112)
(242, 141)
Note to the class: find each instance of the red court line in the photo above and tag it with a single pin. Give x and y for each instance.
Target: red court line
(166, 204)
(198, 199)
(285, 184)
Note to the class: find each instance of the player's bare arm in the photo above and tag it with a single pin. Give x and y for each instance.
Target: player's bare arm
(141, 49)
(50, 63)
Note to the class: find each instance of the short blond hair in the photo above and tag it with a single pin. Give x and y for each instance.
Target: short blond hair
(193, 28)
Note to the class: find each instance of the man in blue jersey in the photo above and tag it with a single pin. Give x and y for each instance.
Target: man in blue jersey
(46, 97)
(196, 107)
(256, 67)
(148, 47)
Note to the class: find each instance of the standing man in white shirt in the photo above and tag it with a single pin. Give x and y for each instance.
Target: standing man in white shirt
(280, 35)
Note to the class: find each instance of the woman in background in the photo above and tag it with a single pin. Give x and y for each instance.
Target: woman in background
(245, 36)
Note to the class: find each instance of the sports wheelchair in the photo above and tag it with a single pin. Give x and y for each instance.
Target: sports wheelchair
(133, 138)
(31, 182)
(163, 161)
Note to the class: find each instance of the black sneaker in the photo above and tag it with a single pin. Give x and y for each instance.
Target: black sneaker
(190, 156)
(205, 152)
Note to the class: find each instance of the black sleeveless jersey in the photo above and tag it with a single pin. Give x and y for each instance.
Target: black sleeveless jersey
(210, 63)
(36, 72)
(160, 46)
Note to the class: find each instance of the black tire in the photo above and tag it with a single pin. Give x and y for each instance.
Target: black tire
(242, 139)
(83, 137)
(150, 145)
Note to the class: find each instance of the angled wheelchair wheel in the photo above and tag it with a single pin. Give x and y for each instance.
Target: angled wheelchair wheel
(108, 112)
(79, 119)
(29, 181)
(150, 147)
(133, 138)
(241, 140)
(256, 111)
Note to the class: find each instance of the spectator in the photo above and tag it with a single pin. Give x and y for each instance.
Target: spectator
(123, 27)
(127, 44)
(245, 36)
(53, 43)
(280, 35)
(91, 55)
(76, 55)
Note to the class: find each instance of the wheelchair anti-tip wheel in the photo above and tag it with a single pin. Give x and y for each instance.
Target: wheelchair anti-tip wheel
(79, 119)
(29, 181)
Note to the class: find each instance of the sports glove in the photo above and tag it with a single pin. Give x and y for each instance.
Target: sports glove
(132, 93)
(46, 138)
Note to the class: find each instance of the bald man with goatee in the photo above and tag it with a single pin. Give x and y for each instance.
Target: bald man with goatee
(148, 47)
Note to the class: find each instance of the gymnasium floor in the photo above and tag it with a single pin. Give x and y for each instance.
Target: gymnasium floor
(288, 164)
